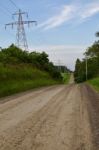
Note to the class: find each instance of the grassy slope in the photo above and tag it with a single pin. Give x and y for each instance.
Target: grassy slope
(66, 77)
(95, 83)
(21, 78)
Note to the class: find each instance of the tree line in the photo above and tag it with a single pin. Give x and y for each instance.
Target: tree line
(92, 60)
(16, 56)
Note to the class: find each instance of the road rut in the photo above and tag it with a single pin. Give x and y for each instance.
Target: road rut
(52, 118)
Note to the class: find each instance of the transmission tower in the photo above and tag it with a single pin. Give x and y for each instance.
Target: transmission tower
(21, 40)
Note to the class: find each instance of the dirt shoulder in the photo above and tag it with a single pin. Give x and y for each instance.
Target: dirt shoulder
(92, 99)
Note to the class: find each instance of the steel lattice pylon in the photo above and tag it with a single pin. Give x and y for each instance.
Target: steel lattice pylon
(21, 40)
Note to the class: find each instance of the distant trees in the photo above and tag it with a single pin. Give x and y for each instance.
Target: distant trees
(92, 54)
(15, 56)
(97, 34)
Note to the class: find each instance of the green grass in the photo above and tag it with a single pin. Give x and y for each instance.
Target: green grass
(66, 77)
(12, 87)
(95, 83)
(21, 78)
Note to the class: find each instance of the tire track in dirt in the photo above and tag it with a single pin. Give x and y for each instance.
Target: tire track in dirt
(22, 98)
(35, 120)
(93, 109)
(11, 114)
(62, 123)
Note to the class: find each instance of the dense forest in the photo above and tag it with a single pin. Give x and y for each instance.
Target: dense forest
(92, 60)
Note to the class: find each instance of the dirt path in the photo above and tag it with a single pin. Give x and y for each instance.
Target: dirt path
(71, 81)
(53, 118)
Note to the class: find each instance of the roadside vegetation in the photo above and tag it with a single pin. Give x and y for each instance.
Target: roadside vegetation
(21, 71)
(66, 77)
(92, 57)
(14, 79)
(95, 83)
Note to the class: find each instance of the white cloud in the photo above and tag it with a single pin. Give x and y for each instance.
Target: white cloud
(60, 48)
(90, 10)
(73, 13)
(64, 15)
(67, 54)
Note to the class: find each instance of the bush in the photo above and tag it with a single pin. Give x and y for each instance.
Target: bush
(15, 57)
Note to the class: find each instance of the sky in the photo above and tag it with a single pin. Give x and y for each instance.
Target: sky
(65, 27)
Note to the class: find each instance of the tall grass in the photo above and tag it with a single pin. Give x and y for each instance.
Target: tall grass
(20, 72)
(95, 83)
(66, 77)
(14, 79)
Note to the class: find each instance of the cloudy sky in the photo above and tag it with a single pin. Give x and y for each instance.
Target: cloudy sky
(65, 27)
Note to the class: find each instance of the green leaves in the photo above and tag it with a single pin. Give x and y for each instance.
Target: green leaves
(15, 56)
(92, 54)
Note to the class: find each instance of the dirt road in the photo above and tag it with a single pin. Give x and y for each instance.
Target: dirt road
(52, 118)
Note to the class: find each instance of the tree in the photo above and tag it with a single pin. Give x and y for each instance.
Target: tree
(15, 56)
(97, 34)
(92, 54)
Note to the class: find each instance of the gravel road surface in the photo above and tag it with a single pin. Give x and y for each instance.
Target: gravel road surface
(53, 118)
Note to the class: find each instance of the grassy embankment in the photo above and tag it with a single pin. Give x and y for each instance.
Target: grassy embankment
(66, 77)
(94, 83)
(15, 79)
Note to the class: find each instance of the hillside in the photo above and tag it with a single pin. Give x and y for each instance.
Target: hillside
(21, 71)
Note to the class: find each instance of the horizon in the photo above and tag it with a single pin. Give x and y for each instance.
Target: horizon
(64, 32)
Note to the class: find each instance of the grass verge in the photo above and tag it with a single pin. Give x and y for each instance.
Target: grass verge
(94, 83)
(18, 79)
(66, 77)
(11, 87)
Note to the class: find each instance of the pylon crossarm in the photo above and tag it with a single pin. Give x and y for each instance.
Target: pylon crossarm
(18, 13)
(21, 40)
(22, 22)
(29, 22)
(9, 24)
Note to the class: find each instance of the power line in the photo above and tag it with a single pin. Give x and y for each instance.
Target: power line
(14, 4)
(21, 40)
(6, 10)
